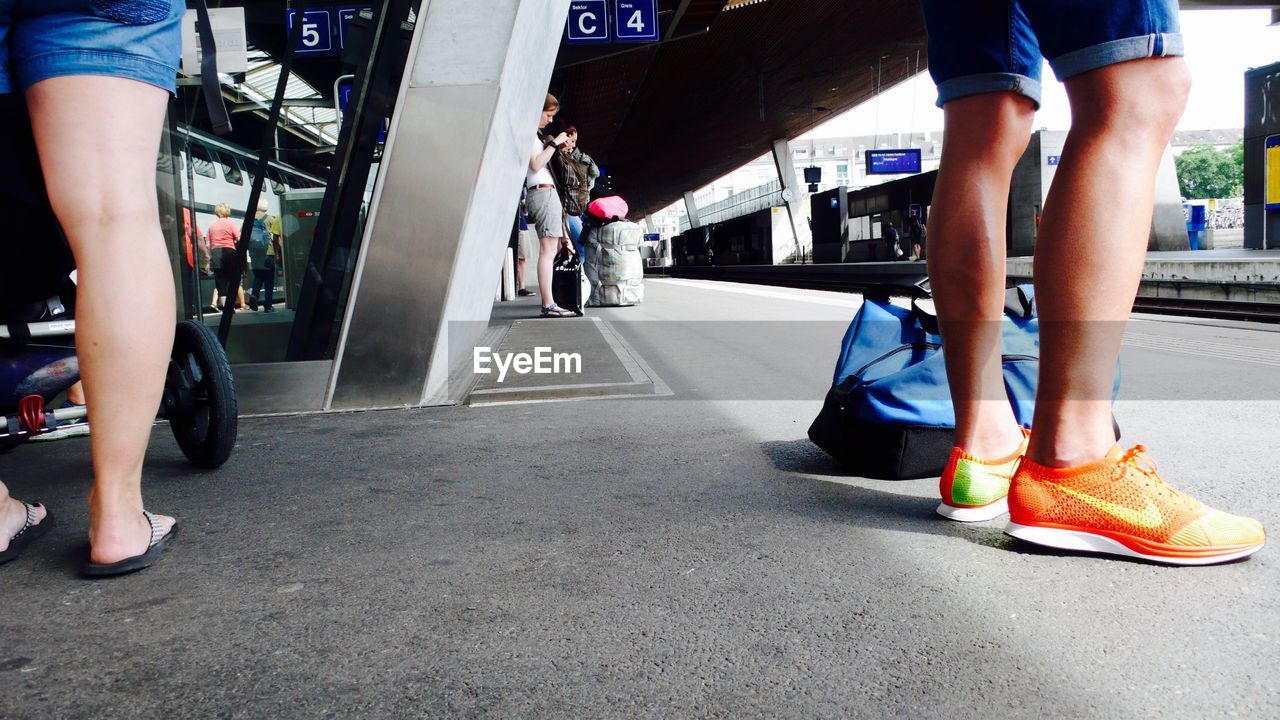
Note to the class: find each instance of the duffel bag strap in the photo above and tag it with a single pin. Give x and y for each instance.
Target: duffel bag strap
(1018, 302)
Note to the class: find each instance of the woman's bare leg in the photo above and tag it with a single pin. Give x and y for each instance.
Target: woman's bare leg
(546, 259)
(98, 138)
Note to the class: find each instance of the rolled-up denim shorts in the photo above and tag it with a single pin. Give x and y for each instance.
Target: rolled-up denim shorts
(997, 45)
(133, 39)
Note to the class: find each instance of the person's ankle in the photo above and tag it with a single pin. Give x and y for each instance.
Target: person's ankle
(994, 444)
(1064, 452)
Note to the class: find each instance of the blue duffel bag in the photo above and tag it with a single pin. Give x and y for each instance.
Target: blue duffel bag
(889, 414)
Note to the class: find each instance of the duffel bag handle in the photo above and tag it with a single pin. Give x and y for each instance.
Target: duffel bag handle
(1018, 302)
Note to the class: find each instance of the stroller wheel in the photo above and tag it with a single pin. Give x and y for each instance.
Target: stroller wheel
(203, 392)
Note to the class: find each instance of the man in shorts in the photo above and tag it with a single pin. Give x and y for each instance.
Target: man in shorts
(1069, 485)
(97, 77)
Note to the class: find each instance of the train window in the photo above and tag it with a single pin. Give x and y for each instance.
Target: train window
(230, 168)
(201, 162)
(277, 181)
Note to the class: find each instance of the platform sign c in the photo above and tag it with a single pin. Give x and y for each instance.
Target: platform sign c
(635, 20)
(317, 32)
(588, 22)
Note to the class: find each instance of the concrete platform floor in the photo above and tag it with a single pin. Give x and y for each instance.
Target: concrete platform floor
(681, 556)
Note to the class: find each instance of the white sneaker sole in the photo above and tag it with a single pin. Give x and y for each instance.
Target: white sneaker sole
(974, 514)
(1088, 542)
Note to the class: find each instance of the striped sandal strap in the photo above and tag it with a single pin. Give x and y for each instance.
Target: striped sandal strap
(157, 528)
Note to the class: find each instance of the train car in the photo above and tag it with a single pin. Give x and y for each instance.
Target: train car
(212, 171)
(194, 173)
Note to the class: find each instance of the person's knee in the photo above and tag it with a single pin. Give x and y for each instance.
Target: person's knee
(1140, 99)
(988, 128)
(99, 212)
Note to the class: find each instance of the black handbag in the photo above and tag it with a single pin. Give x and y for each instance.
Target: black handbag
(566, 281)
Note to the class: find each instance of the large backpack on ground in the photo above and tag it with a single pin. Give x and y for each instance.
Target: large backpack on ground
(613, 263)
(888, 413)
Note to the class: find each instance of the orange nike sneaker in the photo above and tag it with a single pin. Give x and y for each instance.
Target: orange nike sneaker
(974, 489)
(1119, 505)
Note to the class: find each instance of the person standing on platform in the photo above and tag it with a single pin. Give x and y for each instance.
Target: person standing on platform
(97, 82)
(262, 255)
(523, 246)
(917, 231)
(576, 175)
(1070, 485)
(891, 241)
(543, 204)
(223, 235)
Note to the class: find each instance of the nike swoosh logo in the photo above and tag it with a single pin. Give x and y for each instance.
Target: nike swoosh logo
(1149, 517)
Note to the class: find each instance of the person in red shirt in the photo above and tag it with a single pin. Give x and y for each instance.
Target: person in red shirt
(223, 236)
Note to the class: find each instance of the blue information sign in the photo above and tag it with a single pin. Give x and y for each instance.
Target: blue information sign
(317, 32)
(588, 22)
(893, 162)
(344, 92)
(345, 16)
(635, 20)
(344, 87)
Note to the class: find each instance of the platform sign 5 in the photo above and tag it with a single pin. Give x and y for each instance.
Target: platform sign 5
(317, 32)
(588, 22)
(635, 20)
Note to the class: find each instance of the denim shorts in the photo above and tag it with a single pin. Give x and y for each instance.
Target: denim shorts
(996, 45)
(133, 39)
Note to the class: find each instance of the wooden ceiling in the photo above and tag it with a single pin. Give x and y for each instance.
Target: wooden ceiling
(674, 116)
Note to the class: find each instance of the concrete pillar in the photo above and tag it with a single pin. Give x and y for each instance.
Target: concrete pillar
(649, 226)
(691, 207)
(796, 196)
(442, 208)
(1168, 226)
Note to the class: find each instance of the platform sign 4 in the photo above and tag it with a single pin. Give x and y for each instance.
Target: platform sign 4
(317, 32)
(635, 20)
(588, 22)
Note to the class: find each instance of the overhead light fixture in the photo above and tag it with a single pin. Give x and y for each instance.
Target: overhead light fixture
(735, 4)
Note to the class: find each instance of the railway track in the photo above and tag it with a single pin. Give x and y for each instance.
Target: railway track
(861, 276)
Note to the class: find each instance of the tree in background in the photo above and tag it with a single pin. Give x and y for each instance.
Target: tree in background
(1204, 172)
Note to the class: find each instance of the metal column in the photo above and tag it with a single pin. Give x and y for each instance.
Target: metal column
(795, 195)
(447, 190)
(691, 208)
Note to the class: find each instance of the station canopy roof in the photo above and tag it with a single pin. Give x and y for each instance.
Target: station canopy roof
(725, 80)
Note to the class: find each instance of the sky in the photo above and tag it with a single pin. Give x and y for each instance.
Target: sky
(1220, 46)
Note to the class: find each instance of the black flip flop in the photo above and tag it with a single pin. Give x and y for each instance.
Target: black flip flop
(159, 543)
(29, 533)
